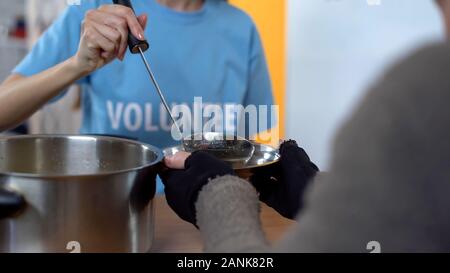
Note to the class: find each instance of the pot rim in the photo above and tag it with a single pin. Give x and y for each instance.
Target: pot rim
(154, 149)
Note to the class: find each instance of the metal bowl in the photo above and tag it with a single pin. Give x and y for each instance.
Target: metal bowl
(263, 155)
(228, 148)
(92, 192)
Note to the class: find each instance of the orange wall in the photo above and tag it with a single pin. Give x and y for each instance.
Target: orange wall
(270, 17)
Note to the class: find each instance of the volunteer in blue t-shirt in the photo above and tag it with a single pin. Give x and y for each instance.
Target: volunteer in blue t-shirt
(205, 49)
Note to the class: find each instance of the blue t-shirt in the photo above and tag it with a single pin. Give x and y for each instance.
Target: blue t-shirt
(214, 53)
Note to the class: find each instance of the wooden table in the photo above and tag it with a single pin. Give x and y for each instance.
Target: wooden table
(174, 235)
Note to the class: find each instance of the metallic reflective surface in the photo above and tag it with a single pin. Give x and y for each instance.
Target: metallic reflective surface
(233, 149)
(88, 190)
(263, 155)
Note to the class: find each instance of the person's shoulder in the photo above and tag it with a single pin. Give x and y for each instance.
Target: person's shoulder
(231, 13)
(412, 93)
(433, 49)
(418, 75)
(81, 6)
(427, 61)
(87, 3)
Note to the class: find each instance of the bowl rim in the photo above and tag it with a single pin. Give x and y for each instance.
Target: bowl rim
(169, 150)
(154, 149)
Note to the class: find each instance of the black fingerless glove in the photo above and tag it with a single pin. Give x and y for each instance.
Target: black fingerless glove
(281, 185)
(183, 186)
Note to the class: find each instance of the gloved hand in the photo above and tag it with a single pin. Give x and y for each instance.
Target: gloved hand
(281, 185)
(186, 176)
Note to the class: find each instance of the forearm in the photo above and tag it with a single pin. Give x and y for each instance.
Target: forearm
(228, 216)
(21, 97)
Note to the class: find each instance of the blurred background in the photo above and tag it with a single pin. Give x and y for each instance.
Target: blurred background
(323, 56)
(336, 50)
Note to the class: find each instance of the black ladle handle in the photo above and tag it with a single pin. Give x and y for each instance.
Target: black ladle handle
(133, 43)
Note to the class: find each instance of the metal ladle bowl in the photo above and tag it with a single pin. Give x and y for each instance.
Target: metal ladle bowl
(225, 147)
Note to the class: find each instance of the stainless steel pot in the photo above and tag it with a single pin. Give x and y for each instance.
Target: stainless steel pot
(76, 193)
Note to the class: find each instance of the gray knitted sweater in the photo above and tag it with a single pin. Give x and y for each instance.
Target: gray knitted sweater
(389, 181)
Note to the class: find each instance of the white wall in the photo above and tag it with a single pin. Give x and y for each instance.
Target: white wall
(336, 49)
(11, 52)
(60, 117)
(10, 8)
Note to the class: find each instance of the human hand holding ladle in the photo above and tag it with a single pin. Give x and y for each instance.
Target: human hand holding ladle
(224, 147)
